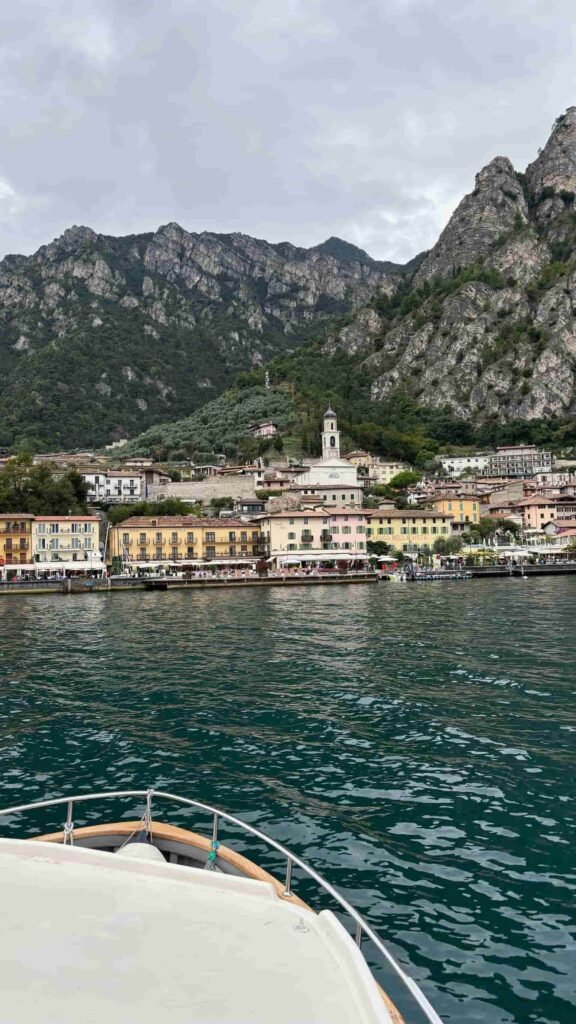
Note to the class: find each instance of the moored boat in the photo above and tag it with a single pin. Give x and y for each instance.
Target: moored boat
(176, 926)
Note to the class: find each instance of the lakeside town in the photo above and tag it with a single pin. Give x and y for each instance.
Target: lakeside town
(514, 505)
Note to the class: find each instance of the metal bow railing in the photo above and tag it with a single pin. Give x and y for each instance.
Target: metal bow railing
(362, 928)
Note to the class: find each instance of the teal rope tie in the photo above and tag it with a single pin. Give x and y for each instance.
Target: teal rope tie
(211, 861)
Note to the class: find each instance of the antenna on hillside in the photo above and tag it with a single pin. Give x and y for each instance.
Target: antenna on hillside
(267, 380)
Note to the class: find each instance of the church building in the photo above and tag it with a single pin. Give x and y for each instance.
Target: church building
(332, 480)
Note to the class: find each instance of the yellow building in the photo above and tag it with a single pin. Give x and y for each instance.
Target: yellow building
(59, 539)
(465, 508)
(408, 529)
(183, 539)
(15, 539)
(316, 532)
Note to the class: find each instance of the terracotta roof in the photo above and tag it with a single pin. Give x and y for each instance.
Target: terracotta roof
(123, 472)
(410, 513)
(456, 496)
(16, 515)
(328, 487)
(535, 500)
(564, 524)
(67, 519)
(166, 521)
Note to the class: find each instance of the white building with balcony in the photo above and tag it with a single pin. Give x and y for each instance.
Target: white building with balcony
(113, 485)
(66, 542)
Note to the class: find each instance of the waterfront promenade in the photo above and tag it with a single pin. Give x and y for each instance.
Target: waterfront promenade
(124, 585)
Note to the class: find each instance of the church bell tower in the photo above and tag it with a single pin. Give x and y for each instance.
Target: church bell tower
(330, 436)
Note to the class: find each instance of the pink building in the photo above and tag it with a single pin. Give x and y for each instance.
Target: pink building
(536, 511)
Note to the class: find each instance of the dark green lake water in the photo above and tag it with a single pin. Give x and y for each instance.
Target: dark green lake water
(416, 743)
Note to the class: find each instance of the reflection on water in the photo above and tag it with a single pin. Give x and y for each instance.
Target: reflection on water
(415, 742)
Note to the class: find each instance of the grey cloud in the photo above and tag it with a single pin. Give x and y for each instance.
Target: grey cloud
(286, 119)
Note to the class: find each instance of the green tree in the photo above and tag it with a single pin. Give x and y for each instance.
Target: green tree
(447, 545)
(167, 507)
(40, 490)
(216, 504)
(378, 547)
(407, 478)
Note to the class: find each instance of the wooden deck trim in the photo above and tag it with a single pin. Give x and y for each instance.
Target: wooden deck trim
(180, 835)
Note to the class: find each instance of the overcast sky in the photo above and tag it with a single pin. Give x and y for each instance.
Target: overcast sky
(285, 119)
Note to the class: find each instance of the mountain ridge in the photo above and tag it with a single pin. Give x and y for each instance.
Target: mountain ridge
(102, 337)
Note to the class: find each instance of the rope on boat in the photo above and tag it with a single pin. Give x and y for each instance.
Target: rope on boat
(145, 825)
(210, 864)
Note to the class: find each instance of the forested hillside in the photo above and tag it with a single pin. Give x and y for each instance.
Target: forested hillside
(101, 337)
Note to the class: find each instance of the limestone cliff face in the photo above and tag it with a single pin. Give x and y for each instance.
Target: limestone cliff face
(101, 337)
(488, 327)
(495, 206)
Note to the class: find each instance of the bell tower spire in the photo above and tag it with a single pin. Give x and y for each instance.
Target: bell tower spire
(330, 436)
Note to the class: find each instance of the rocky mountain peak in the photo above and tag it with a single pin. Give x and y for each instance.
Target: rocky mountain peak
(555, 166)
(491, 210)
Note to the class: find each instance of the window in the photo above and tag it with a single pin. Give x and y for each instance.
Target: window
(232, 549)
(290, 522)
(158, 552)
(159, 537)
(54, 544)
(189, 538)
(41, 527)
(232, 535)
(210, 551)
(125, 538)
(291, 547)
(143, 538)
(54, 527)
(243, 536)
(142, 552)
(305, 522)
(75, 543)
(174, 538)
(335, 529)
(175, 553)
(291, 536)
(210, 537)
(360, 529)
(190, 553)
(87, 543)
(346, 529)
